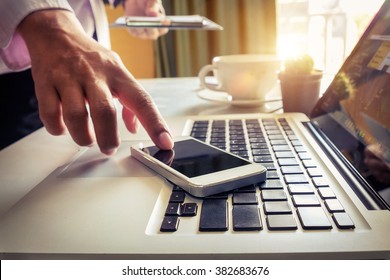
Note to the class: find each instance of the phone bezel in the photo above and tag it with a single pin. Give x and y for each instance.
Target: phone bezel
(203, 185)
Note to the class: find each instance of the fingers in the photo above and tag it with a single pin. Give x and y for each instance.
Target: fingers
(77, 78)
(149, 8)
(146, 33)
(135, 99)
(103, 114)
(154, 8)
(75, 114)
(65, 109)
(50, 110)
(130, 120)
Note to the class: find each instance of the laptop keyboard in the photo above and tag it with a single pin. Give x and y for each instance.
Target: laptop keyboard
(295, 194)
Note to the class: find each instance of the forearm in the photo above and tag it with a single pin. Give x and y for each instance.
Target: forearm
(13, 52)
(46, 29)
(13, 12)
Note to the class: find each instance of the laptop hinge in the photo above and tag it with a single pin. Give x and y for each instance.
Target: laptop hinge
(357, 183)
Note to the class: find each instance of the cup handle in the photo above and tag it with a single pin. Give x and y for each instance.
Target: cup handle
(202, 76)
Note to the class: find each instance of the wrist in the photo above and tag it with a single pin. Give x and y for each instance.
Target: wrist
(43, 26)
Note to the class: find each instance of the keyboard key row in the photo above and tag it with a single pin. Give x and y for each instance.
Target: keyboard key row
(292, 176)
(246, 213)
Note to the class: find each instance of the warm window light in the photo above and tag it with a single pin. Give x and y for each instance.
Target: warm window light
(327, 30)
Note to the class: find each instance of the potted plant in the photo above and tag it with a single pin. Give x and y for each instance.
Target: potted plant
(300, 84)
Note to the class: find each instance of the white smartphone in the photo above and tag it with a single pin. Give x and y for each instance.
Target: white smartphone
(198, 168)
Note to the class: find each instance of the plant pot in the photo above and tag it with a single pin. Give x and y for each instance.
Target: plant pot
(300, 92)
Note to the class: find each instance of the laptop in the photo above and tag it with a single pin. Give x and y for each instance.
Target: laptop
(326, 196)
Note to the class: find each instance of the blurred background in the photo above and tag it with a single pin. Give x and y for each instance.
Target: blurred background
(325, 29)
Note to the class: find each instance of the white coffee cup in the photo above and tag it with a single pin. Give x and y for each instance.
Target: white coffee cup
(242, 76)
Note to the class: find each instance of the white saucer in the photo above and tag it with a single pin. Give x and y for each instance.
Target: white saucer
(224, 98)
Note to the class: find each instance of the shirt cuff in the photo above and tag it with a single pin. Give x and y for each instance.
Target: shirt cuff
(14, 55)
(16, 11)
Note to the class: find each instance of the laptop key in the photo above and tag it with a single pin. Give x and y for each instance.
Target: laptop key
(237, 137)
(263, 159)
(284, 155)
(200, 129)
(246, 217)
(257, 140)
(300, 149)
(243, 154)
(189, 209)
(246, 189)
(281, 222)
(274, 131)
(295, 179)
(219, 123)
(293, 137)
(308, 163)
(269, 165)
(313, 218)
(255, 132)
(260, 152)
(173, 209)
(296, 143)
(223, 195)
(214, 215)
(326, 193)
(314, 172)
(259, 146)
(222, 146)
(320, 182)
(287, 161)
(273, 195)
(218, 135)
(201, 124)
(301, 189)
(238, 148)
(177, 197)
(271, 175)
(276, 137)
(291, 169)
(217, 140)
(170, 224)
(343, 221)
(334, 205)
(244, 198)
(281, 148)
(199, 135)
(305, 200)
(288, 131)
(304, 156)
(277, 207)
(271, 184)
(278, 142)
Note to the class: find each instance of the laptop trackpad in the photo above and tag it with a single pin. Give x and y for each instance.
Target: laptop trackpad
(92, 163)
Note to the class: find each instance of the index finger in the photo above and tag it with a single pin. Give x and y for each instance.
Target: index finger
(136, 99)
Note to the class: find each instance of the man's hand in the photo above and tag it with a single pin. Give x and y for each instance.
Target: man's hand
(148, 8)
(71, 71)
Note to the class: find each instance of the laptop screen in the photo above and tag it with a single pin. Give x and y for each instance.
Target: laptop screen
(354, 112)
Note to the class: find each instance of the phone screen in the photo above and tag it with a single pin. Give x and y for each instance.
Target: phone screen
(193, 158)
